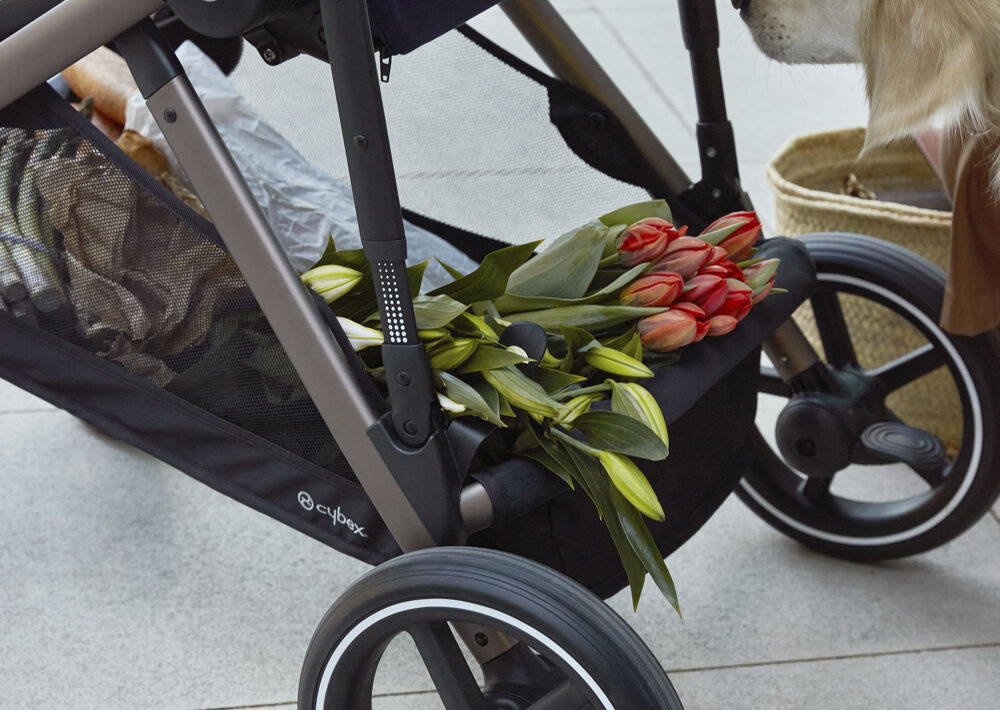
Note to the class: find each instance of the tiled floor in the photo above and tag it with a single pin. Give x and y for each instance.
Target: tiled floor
(125, 585)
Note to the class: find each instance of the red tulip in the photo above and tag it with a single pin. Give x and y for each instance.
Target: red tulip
(745, 228)
(646, 240)
(669, 330)
(763, 292)
(759, 274)
(738, 301)
(684, 256)
(725, 269)
(706, 291)
(720, 325)
(698, 314)
(653, 290)
(718, 254)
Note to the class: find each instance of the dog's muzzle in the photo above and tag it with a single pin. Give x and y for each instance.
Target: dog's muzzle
(741, 4)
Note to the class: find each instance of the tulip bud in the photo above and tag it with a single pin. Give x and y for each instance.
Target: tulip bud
(699, 316)
(720, 325)
(574, 408)
(635, 401)
(449, 354)
(718, 255)
(653, 290)
(737, 305)
(745, 228)
(360, 336)
(615, 362)
(706, 291)
(725, 269)
(449, 405)
(759, 274)
(669, 330)
(331, 281)
(684, 256)
(763, 292)
(646, 240)
(628, 479)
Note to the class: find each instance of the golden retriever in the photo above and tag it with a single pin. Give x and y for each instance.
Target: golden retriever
(925, 60)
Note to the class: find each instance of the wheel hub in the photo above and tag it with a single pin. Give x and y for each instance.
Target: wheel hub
(815, 436)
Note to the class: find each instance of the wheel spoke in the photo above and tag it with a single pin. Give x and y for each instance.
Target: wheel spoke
(832, 328)
(447, 666)
(564, 697)
(902, 371)
(817, 489)
(771, 383)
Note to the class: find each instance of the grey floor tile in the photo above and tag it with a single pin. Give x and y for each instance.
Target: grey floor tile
(919, 681)
(751, 595)
(15, 399)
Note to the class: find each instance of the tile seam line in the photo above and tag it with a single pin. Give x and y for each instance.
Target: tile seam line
(845, 657)
(996, 515)
(784, 662)
(36, 410)
(650, 79)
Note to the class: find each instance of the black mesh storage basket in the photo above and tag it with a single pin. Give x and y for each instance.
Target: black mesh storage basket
(122, 306)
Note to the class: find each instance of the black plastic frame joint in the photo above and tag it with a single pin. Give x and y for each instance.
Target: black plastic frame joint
(429, 478)
(149, 57)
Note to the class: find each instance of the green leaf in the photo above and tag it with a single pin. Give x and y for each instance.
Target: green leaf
(617, 432)
(542, 456)
(486, 391)
(436, 311)
(510, 302)
(415, 277)
(611, 241)
(594, 481)
(716, 237)
(555, 380)
(558, 461)
(522, 392)
(645, 547)
(455, 273)
(466, 394)
(354, 258)
(593, 318)
(489, 281)
(631, 214)
(565, 268)
(576, 338)
(488, 357)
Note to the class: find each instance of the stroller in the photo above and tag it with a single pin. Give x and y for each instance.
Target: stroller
(500, 558)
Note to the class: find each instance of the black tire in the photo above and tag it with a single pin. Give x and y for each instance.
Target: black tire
(553, 615)
(914, 289)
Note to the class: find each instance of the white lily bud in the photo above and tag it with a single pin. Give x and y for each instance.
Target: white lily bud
(361, 336)
(449, 405)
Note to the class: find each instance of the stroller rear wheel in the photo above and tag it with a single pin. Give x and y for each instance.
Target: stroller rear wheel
(910, 394)
(574, 653)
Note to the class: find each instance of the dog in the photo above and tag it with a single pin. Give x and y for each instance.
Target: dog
(926, 61)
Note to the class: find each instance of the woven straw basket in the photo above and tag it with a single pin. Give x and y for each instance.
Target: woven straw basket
(808, 177)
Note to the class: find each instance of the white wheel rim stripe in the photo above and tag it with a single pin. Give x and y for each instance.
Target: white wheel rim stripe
(977, 444)
(453, 604)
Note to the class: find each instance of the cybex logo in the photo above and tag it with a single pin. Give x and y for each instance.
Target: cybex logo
(338, 518)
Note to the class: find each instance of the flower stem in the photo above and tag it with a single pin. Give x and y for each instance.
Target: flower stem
(575, 443)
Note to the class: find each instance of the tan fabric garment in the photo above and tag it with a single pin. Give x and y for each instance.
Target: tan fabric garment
(972, 297)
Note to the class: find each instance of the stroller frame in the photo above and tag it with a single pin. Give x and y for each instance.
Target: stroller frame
(405, 460)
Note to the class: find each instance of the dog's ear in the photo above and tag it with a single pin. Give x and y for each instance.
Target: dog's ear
(925, 58)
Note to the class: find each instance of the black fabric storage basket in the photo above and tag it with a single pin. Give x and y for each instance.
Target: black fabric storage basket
(150, 333)
(138, 321)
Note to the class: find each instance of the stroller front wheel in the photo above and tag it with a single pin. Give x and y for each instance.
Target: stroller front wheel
(574, 653)
(932, 397)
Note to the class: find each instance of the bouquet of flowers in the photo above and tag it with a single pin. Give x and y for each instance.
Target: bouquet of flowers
(616, 299)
